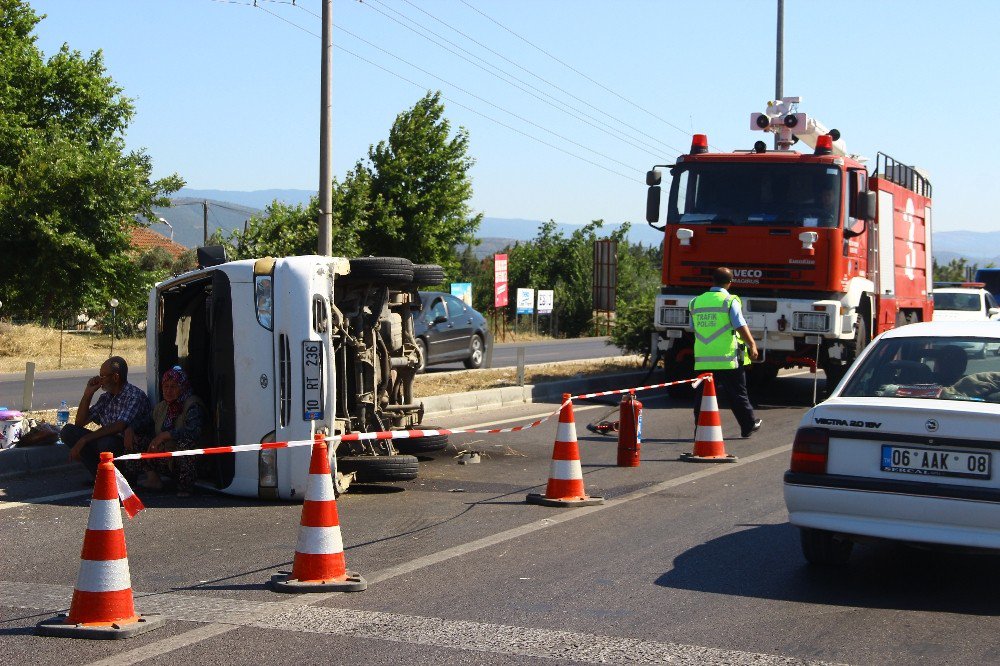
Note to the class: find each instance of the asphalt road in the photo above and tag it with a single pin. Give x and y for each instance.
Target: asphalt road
(51, 387)
(692, 563)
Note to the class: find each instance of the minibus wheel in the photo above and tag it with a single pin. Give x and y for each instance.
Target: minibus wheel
(380, 468)
(380, 270)
(427, 444)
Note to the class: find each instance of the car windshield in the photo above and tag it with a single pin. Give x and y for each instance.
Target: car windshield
(755, 194)
(942, 368)
(957, 301)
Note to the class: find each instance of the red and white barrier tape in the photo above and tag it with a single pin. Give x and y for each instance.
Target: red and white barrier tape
(394, 434)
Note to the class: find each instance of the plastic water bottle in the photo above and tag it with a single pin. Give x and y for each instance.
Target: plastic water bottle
(62, 414)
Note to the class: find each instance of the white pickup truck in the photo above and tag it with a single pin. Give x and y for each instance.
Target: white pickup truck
(278, 348)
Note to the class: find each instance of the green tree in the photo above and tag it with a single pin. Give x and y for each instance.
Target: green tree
(69, 189)
(408, 199)
(420, 188)
(956, 270)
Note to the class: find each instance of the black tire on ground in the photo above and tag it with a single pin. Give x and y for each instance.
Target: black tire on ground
(824, 548)
(380, 468)
(427, 275)
(422, 353)
(380, 270)
(477, 353)
(423, 444)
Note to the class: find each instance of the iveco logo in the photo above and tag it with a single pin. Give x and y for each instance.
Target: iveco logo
(748, 273)
(931, 425)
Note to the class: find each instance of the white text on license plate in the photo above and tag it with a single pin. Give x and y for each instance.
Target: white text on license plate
(312, 380)
(935, 462)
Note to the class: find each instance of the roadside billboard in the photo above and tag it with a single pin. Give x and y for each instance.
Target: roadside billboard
(500, 281)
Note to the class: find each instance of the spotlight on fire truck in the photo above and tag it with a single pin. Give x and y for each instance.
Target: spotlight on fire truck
(759, 121)
(685, 236)
(759, 147)
(808, 238)
(699, 144)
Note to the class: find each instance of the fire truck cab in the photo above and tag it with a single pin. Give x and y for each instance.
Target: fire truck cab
(824, 254)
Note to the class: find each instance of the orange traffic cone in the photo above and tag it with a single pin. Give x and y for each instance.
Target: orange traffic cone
(708, 443)
(565, 487)
(319, 564)
(102, 604)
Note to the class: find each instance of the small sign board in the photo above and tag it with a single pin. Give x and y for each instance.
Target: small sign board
(546, 297)
(462, 291)
(525, 301)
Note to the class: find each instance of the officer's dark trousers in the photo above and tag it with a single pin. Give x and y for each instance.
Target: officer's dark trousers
(90, 454)
(731, 387)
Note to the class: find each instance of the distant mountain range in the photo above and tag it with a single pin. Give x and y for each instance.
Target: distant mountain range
(230, 209)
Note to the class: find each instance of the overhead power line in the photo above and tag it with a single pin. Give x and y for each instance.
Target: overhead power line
(571, 68)
(565, 107)
(255, 4)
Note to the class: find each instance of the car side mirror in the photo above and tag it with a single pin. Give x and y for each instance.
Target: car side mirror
(440, 319)
(855, 229)
(866, 206)
(653, 206)
(993, 312)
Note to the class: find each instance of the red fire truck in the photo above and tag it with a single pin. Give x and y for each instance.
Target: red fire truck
(824, 254)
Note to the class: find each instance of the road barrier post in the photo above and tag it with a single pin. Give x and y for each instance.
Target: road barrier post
(29, 386)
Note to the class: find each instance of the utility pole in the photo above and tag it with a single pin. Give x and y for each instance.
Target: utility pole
(325, 135)
(779, 59)
(204, 220)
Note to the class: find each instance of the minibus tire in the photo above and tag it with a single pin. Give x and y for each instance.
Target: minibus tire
(427, 444)
(380, 468)
(427, 275)
(380, 270)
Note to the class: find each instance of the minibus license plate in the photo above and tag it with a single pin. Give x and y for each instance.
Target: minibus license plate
(312, 380)
(936, 462)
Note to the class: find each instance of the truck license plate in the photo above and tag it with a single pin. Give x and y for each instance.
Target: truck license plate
(935, 462)
(312, 380)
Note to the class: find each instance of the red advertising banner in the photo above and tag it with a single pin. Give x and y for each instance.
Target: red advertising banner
(500, 292)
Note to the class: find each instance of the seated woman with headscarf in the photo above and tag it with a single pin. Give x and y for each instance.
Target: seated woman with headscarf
(177, 424)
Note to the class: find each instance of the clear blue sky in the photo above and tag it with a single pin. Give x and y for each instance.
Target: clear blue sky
(227, 95)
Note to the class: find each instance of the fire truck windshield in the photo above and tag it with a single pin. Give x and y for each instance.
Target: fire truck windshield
(755, 194)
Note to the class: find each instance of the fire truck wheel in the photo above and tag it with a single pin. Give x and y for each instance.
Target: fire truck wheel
(380, 468)
(419, 445)
(427, 275)
(380, 270)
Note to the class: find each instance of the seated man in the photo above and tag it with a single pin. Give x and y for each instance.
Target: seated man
(122, 405)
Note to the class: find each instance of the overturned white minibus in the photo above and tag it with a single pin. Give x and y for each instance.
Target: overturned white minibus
(279, 347)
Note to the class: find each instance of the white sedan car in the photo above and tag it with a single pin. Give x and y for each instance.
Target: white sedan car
(904, 449)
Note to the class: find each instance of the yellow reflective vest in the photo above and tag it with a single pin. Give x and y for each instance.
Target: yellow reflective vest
(716, 343)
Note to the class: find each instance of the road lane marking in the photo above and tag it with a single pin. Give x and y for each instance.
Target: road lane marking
(42, 500)
(299, 615)
(228, 614)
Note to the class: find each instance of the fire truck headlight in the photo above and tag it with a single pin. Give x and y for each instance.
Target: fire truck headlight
(811, 321)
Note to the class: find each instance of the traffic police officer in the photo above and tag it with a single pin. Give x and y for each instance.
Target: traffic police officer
(723, 345)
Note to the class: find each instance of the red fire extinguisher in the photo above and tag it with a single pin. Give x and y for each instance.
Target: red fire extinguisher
(629, 430)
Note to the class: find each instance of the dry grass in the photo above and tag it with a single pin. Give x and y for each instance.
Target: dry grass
(441, 383)
(20, 344)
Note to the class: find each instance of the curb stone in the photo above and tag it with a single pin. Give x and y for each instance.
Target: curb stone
(17, 462)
